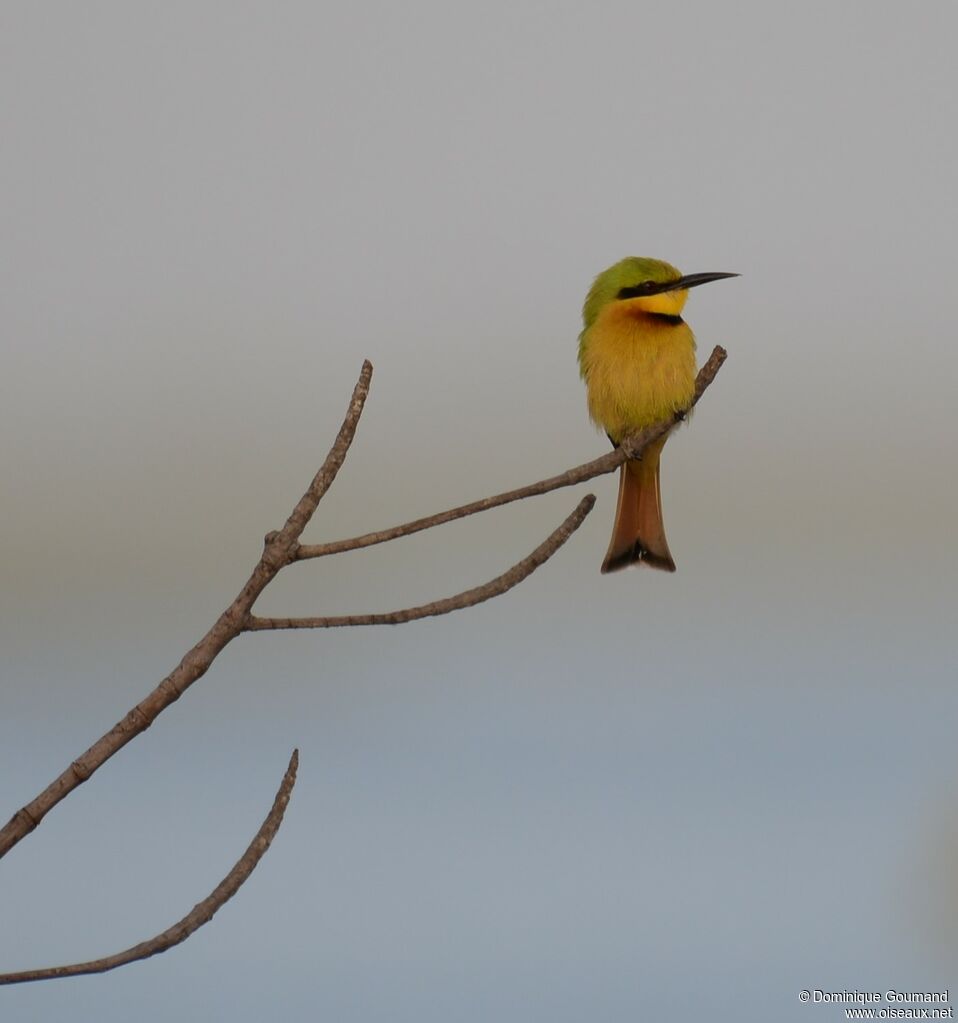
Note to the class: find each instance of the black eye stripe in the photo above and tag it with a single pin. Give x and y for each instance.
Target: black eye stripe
(636, 290)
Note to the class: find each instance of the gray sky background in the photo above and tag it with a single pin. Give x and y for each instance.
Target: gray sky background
(633, 797)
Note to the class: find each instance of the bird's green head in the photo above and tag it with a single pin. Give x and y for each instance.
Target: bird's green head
(648, 285)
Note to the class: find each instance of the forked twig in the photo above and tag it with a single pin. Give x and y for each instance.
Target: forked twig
(200, 914)
(281, 548)
(468, 598)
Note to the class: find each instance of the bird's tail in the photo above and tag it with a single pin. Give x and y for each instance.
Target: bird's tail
(638, 535)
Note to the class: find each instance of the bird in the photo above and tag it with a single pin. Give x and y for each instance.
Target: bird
(637, 358)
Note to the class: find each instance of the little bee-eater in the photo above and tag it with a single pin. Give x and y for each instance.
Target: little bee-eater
(637, 357)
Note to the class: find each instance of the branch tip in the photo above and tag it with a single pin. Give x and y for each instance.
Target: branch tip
(200, 914)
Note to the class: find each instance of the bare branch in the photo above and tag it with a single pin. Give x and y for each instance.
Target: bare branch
(467, 598)
(200, 914)
(307, 504)
(281, 548)
(277, 553)
(631, 447)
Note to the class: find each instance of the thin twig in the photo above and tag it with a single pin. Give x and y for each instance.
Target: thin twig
(200, 914)
(277, 552)
(467, 598)
(631, 447)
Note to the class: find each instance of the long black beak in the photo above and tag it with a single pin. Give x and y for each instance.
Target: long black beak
(688, 281)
